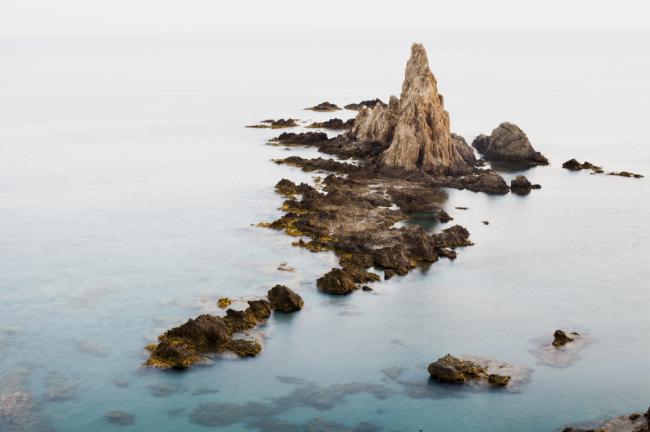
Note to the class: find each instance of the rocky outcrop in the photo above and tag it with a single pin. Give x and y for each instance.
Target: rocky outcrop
(333, 124)
(182, 346)
(337, 281)
(416, 127)
(367, 103)
(510, 144)
(324, 106)
(625, 174)
(283, 299)
(450, 369)
(560, 338)
(635, 422)
(303, 138)
(376, 124)
(478, 372)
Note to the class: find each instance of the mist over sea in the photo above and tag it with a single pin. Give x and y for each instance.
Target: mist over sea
(130, 191)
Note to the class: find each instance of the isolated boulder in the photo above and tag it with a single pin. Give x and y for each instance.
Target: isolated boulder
(284, 299)
(510, 144)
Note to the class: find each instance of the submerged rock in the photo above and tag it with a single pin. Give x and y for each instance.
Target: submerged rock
(508, 143)
(324, 106)
(367, 103)
(634, 422)
(284, 299)
(563, 349)
(120, 418)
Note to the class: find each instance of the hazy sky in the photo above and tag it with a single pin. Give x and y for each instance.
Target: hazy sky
(70, 17)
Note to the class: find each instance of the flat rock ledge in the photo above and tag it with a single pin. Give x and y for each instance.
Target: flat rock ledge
(477, 371)
(635, 422)
(189, 343)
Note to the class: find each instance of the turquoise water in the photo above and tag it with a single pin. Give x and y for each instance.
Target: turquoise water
(129, 191)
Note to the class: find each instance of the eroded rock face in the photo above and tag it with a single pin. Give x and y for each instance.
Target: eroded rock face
(417, 126)
(376, 124)
(284, 299)
(510, 144)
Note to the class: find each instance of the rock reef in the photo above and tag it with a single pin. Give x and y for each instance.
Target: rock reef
(508, 143)
(574, 165)
(189, 343)
(635, 422)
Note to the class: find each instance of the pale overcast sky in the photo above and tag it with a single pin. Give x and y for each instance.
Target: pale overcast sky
(73, 17)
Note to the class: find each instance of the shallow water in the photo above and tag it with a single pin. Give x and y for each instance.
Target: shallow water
(129, 191)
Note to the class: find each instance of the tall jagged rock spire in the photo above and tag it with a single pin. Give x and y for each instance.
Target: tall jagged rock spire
(417, 128)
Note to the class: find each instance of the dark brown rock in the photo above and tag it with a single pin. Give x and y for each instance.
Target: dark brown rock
(337, 282)
(324, 106)
(444, 217)
(560, 338)
(450, 369)
(333, 124)
(368, 103)
(284, 299)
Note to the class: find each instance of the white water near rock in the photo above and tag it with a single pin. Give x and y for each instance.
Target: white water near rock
(129, 191)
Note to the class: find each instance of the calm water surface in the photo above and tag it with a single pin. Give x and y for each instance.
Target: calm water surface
(129, 191)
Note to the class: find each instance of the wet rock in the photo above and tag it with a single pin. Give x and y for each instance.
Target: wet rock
(574, 165)
(521, 186)
(282, 123)
(333, 124)
(450, 369)
(560, 338)
(324, 106)
(366, 288)
(244, 347)
(284, 299)
(486, 222)
(286, 187)
(508, 143)
(368, 103)
(120, 418)
(337, 281)
(444, 217)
